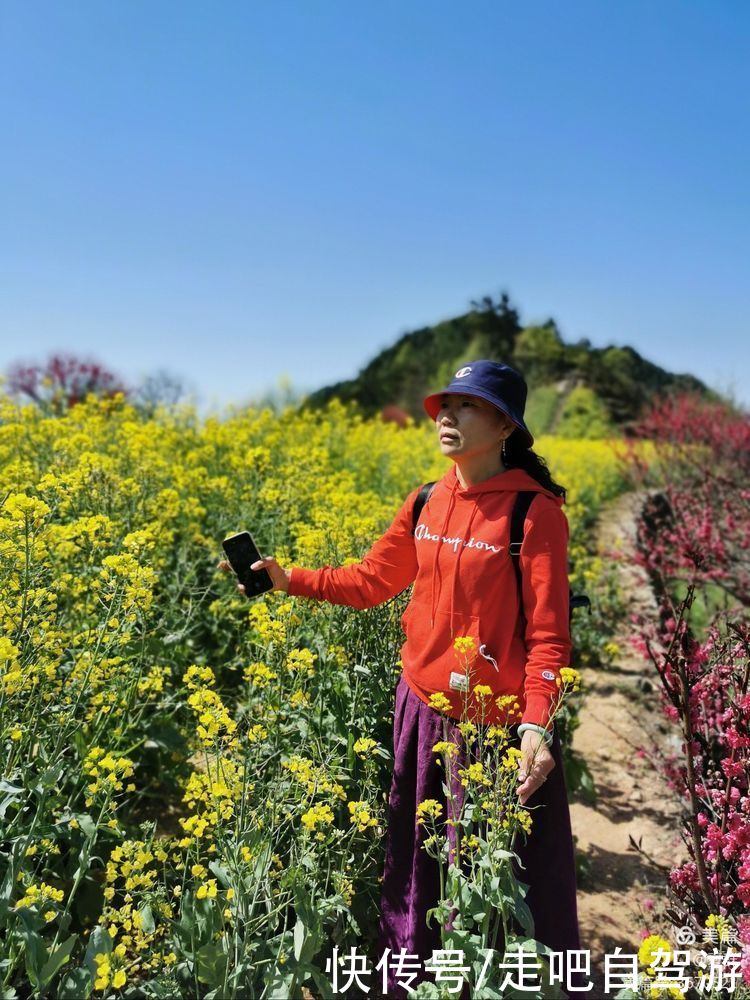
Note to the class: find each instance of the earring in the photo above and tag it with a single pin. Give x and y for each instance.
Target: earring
(503, 451)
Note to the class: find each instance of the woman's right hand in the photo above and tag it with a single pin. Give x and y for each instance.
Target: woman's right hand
(279, 577)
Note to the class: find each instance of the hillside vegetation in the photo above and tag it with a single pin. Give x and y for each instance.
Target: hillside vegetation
(575, 390)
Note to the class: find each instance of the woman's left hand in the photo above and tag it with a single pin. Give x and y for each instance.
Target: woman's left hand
(535, 764)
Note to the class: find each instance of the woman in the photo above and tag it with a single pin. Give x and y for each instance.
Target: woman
(465, 585)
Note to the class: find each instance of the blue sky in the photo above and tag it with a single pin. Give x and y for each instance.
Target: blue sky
(236, 192)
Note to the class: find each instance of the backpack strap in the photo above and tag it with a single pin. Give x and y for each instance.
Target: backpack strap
(520, 509)
(517, 518)
(421, 499)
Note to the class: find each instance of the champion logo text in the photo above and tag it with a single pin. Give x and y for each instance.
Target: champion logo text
(424, 533)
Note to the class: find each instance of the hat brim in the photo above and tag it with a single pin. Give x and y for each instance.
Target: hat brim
(432, 406)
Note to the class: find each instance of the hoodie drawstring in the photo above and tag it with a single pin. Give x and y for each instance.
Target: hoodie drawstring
(451, 504)
(458, 560)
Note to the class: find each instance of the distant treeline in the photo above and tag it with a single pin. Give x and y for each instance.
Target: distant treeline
(575, 390)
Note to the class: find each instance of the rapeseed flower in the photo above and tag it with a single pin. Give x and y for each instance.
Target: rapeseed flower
(468, 730)
(428, 809)
(439, 702)
(721, 924)
(207, 890)
(648, 953)
(569, 677)
(511, 759)
(108, 771)
(508, 702)
(319, 815)
(470, 845)
(474, 773)
(360, 813)
(39, 895)
(464, 643)
(268, 628)
(215, 725)
(495, 733)
(301, 661)
(312, 778)
(260, 675)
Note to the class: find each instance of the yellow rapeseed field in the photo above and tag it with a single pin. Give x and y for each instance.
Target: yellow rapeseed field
(191, 781)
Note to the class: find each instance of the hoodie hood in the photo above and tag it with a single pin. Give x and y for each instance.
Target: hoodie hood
(511, 481)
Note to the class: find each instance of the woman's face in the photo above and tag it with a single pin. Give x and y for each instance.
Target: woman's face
(470, 426)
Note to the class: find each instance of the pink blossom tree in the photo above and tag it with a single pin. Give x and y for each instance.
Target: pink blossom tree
(694, 534)
(62, 381)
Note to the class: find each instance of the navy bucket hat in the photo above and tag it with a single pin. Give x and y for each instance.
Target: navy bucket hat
(499, 384)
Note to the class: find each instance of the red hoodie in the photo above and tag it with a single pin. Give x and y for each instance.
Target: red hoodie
(465, 585)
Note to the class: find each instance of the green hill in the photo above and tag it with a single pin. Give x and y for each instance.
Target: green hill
(574, 389)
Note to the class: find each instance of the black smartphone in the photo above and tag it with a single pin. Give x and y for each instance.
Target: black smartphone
(242, 552)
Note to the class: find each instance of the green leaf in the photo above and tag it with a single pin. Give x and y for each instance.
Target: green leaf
(147, 919)
(523, 915)
(299, 939)
(75, 985)
(587, 785)
(100, 943)
(426, 991)
(7, 888)
(35, 953)
(56, 960)
(221, 873)
(52, 775)
(80, 743)
(10, 794)
(262, 863)
(280, 987)
(87, 824)
(468, 942)
(515, 943)
(323, 985)
(308, 935)
(211, 964)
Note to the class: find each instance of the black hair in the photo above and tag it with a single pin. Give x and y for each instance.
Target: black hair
(518, 455)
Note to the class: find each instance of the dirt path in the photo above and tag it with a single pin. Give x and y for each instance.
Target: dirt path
(620, 714)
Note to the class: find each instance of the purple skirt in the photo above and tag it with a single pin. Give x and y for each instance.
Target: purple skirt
(411, 884)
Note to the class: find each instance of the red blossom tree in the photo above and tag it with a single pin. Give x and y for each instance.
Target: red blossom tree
(695, 531)
(62, 382)
(701, 472)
